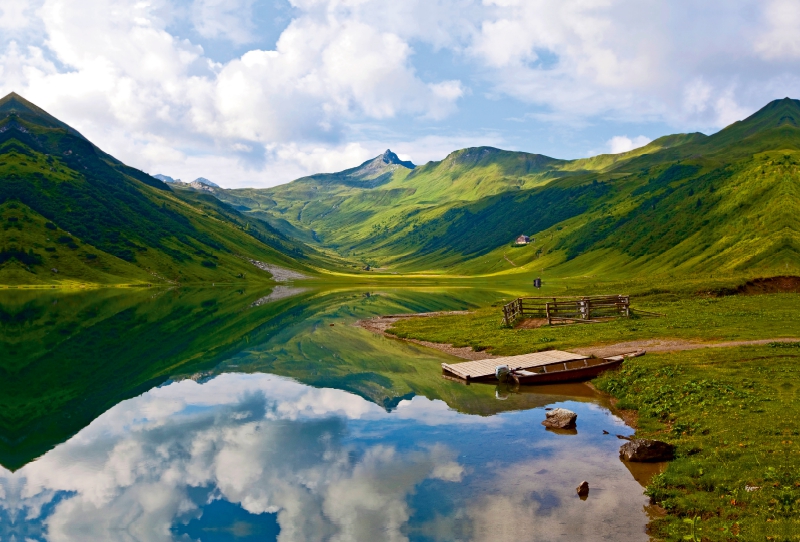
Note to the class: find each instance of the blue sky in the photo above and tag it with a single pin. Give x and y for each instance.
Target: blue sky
(259, 92)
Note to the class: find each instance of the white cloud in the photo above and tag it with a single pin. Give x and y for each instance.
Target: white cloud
(126, 78)
(618, 144)
(781, 38)
(224, 19)
(14, 15)
(116, 70)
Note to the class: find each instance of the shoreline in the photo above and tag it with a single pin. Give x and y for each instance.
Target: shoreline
(381, 324)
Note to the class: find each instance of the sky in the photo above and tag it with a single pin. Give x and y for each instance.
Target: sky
(260, 92)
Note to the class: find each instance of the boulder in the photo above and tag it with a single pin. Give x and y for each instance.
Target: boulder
(583, 489)
(644, 450)
(560, 418)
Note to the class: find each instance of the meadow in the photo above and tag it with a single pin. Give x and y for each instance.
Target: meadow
(732, 412)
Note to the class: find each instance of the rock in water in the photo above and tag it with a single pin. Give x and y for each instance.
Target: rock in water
(583, 489)
(560, 418)
(643, 450)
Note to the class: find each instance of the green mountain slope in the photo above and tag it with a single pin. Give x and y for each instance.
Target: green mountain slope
(685, 202)
(360, 220)
(68, 206)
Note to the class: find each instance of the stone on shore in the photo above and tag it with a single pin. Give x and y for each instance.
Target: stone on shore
(646, 450)
(583, 489)
(560, 418)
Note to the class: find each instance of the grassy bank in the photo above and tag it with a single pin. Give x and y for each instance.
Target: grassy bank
(732, 412)
(702, 319)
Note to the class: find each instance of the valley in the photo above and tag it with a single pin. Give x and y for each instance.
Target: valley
(686, 203)
(181, 289)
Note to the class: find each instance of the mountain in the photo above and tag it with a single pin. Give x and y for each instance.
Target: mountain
(165, 178)
(206, 182)
(74, 214)
(358, 211)
(686, 202)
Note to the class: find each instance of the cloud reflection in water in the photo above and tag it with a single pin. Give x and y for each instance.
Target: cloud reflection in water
(329, 464)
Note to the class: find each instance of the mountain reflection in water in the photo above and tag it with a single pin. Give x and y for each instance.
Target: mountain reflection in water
(264, 422)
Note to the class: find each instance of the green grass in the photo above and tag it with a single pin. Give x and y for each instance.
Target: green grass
(733, 415)
(702, 319)
(137, 227)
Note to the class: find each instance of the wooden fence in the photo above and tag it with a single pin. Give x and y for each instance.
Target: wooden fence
(587, 309)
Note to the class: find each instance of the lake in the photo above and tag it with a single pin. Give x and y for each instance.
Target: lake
(223, 414)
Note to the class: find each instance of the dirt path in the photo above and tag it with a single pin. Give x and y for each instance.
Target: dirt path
(380, 324)
(667, 345)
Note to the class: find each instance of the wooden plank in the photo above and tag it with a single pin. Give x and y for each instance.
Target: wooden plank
(485, 368)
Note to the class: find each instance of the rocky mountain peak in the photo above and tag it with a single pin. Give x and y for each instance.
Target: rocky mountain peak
(203, 180)
(389, 157)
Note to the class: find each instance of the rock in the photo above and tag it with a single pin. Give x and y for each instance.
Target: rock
(54, 270)
(560, 418)
(644, 450)
(583, 489)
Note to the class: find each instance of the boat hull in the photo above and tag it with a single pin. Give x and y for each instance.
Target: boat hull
(569, 375)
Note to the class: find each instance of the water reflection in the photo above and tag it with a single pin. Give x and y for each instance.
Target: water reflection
(66, 357)
(264, 456)
(238, 415)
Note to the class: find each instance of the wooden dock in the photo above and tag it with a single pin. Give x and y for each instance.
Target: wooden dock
(484, 369)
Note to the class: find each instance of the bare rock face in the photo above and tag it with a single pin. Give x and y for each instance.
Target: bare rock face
(646, 450)
(560, 418)
(583, 489)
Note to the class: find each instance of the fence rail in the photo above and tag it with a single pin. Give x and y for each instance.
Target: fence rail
(573, 309)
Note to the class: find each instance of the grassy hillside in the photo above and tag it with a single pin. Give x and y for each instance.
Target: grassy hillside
(684, 203)
(361, 222)
(69, 206)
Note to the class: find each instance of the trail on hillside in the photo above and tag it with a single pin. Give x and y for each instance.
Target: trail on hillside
(509, 261)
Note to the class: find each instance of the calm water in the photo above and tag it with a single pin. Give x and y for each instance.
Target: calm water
(232, 415)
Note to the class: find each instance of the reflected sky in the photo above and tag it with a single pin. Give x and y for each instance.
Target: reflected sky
(262, 457)
(232, 415)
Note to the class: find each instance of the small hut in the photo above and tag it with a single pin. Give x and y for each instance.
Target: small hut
(523, 240)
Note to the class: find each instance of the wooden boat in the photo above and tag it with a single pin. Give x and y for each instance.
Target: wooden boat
(569, 371)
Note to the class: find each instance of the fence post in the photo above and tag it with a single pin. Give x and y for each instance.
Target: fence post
(547, 312)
